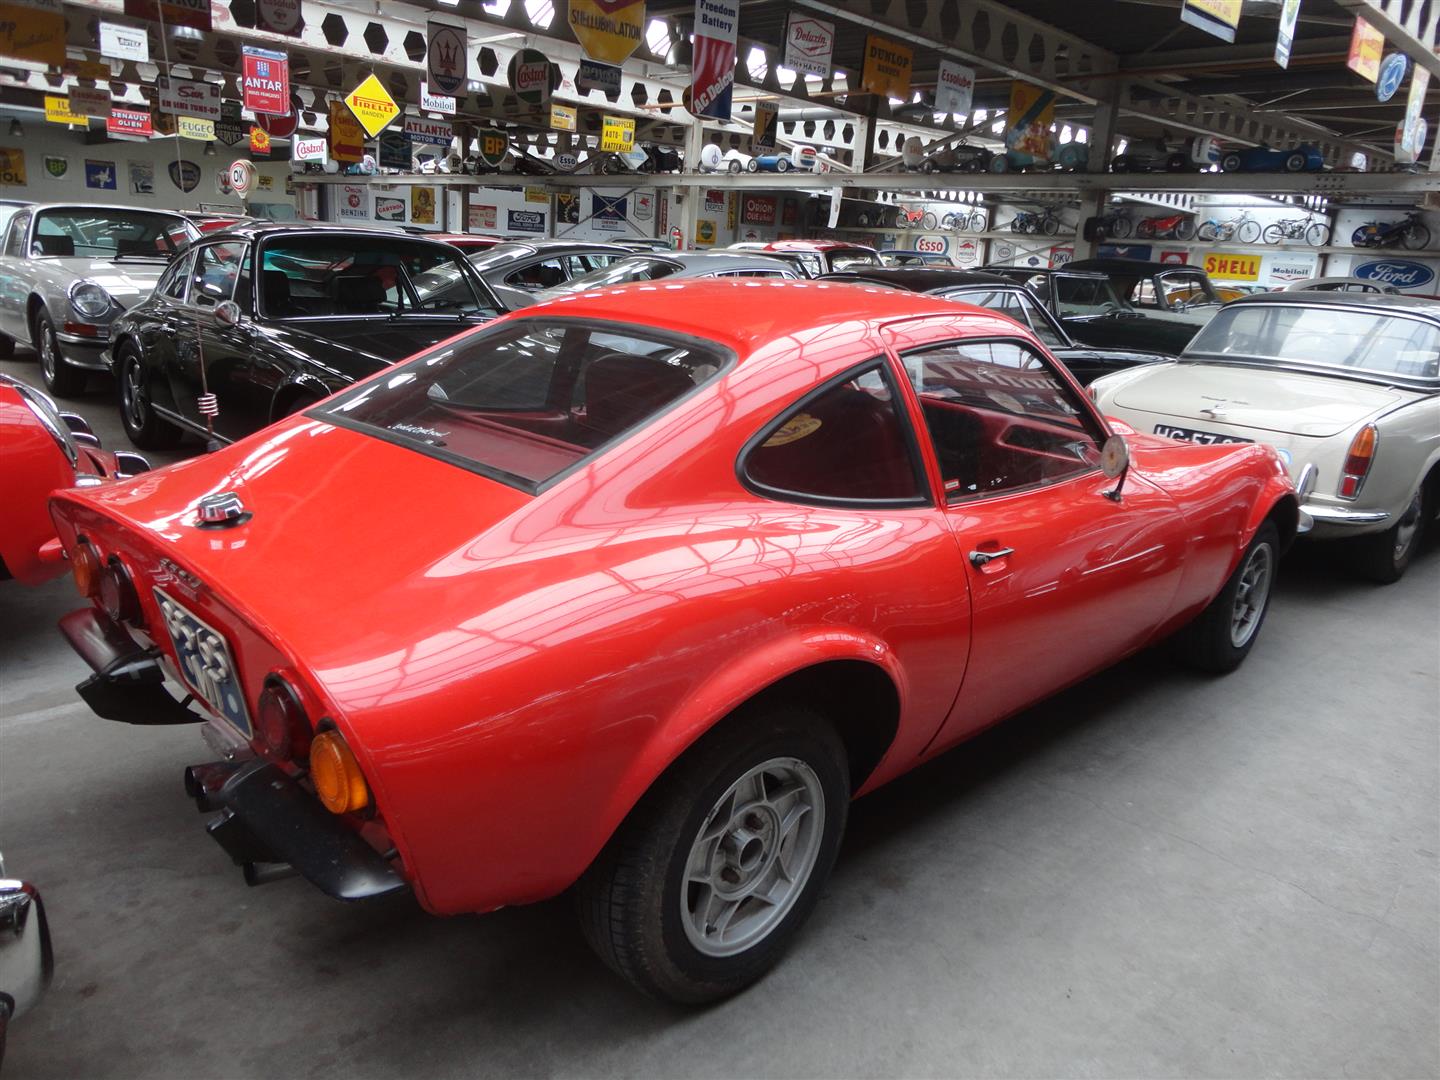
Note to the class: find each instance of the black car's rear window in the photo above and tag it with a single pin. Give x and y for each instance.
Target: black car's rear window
(525, 402)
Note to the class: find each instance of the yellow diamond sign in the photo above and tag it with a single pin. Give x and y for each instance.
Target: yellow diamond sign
(372, 106)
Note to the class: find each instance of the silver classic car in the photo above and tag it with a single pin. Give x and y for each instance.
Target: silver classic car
(68, 270)
(1346, 386)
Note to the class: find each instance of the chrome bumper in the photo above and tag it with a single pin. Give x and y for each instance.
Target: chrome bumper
(1320, 514)
(26, 959)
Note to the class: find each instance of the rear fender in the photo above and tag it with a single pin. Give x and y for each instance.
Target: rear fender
(740, 680)
(1276, 498)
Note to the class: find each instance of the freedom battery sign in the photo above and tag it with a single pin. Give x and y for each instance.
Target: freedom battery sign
(712, 76)
(265, 81)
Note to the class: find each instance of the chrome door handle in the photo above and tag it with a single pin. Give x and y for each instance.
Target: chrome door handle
(981, 558)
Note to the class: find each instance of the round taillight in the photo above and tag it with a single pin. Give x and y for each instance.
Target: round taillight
(85, 565)
(280, 719)
(117, 592)
(336, 774)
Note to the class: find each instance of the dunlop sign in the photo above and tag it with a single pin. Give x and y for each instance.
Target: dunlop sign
(887, 67)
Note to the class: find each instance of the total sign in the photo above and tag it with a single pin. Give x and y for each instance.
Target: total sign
(933, 245)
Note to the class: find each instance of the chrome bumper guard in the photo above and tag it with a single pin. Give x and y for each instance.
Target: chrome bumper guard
(1342, 515)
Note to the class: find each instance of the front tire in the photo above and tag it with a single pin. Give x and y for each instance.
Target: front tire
(711, 876)
(1230, 163)
(143, 427)
(1415, 238)
(1184, 229)
(1145, 229)
(1121, 228)
(1273, 234)
(60, 378)
(1384, 557)
(1249, 232)
(1222, 635)
(7, 347)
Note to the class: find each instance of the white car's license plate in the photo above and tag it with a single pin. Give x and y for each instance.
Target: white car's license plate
(205, 663)
(1205, 438)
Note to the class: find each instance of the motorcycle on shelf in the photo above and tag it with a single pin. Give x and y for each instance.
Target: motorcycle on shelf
(1410, 233)
(1177, 226)
(916, 219)
(1045, 221)
(965, 221)
(1315, 233)
(1243, 228)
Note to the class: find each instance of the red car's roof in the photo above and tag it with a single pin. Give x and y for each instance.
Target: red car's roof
(814, 245)
(466, 239)
(746, 313)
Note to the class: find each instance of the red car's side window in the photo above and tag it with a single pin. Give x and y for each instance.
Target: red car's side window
(845, 443)
(999, 418)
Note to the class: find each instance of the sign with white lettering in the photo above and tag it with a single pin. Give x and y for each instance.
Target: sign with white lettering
(421, 129)
(265, 81)
(593, 75)
(124, 42)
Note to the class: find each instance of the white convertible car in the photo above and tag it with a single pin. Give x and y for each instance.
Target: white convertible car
(1345, 385)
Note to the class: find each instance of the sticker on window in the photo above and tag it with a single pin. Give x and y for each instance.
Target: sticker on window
(793, 430)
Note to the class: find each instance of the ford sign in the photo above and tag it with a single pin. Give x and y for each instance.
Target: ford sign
(1401, 273)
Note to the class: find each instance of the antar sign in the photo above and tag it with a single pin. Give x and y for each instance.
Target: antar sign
(265, 81)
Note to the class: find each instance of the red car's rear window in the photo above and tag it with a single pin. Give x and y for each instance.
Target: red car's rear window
(525, 402)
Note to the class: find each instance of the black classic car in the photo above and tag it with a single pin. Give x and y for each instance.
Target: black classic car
(1089, 307)
(261, 321)
(1009, 298)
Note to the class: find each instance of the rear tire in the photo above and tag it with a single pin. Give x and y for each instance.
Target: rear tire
(1384, 557)
(59, 377)
(7, 347)
(144, 428)
(1184, 229)
(1317, 235)
(927, 223)
(1230, 163)
(1273, 234)
(1222, 635)
(1295, 163)
(757, 805)
(1121, 228)
(1145, 229)
(1050, 226)
(1415, 238)
(1249, 232)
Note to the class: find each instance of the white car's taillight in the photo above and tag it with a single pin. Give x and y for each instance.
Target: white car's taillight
(1358, 460)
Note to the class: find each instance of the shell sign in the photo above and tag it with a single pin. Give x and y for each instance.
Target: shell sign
(1229, 266)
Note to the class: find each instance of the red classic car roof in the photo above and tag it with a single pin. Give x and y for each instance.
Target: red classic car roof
(745, 313)
(815, 245)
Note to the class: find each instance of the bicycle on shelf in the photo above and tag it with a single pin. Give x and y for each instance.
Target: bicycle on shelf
(1409, 232)
(916, 219)
(1243, 228)
(1045, 221)
(1315, 233)
(965, 221)
(1116, 224)
(1178, 226)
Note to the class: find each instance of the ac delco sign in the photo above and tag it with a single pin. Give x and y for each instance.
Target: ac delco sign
(758, 210)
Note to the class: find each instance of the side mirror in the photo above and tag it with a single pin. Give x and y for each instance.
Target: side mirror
(1114, 460)
(227, 313)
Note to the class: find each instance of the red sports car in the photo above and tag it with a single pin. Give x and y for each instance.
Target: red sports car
(44, 449)
(633, 591)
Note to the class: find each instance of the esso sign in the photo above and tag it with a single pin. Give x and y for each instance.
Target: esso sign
(932, 245)
(242, 177)
(566, 162)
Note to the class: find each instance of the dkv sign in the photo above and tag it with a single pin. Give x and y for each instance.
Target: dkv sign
(1400, 273)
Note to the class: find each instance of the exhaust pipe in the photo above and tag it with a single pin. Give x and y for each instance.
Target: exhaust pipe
(262, 873)
(202, 782)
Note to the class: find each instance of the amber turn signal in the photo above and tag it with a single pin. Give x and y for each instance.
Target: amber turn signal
(1357, 462)
(85, 565)
(336, 774)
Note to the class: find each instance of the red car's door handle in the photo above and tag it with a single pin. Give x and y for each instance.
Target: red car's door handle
(980, 559)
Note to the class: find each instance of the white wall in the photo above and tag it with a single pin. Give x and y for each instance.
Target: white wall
(42, 140)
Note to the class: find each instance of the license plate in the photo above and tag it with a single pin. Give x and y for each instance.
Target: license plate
(1204, 438)
(205, 663)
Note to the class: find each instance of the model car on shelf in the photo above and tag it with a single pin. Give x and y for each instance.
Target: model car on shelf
(1010, 299)
(68, 270)
(253, 324)
(816, 256)
(45, 449)
(1164, 155)
(678, 265)
(1171, 292)
(1345, 385)
(1093, 312)
(1303, 158)
(1341, 284)
(964, 157)
(519, 270)
(27, 958)
(687, 582)
(801, 158)
(715, 160)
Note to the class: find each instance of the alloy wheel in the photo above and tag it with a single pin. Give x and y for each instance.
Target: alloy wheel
(132, 390)
(1408, 527)
(49, 352)
(1252, 595)
(752, 857)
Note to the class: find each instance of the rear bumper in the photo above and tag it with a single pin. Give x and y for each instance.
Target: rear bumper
(271, 827)
(129, 684)
(1339, 521)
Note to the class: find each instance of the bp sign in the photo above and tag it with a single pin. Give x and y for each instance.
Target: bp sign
(493, 145)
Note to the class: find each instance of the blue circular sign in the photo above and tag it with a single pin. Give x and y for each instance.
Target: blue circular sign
(1392, 74)
(1402, 273)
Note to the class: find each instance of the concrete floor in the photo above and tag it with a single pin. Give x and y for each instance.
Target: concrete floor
(1155, 874)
